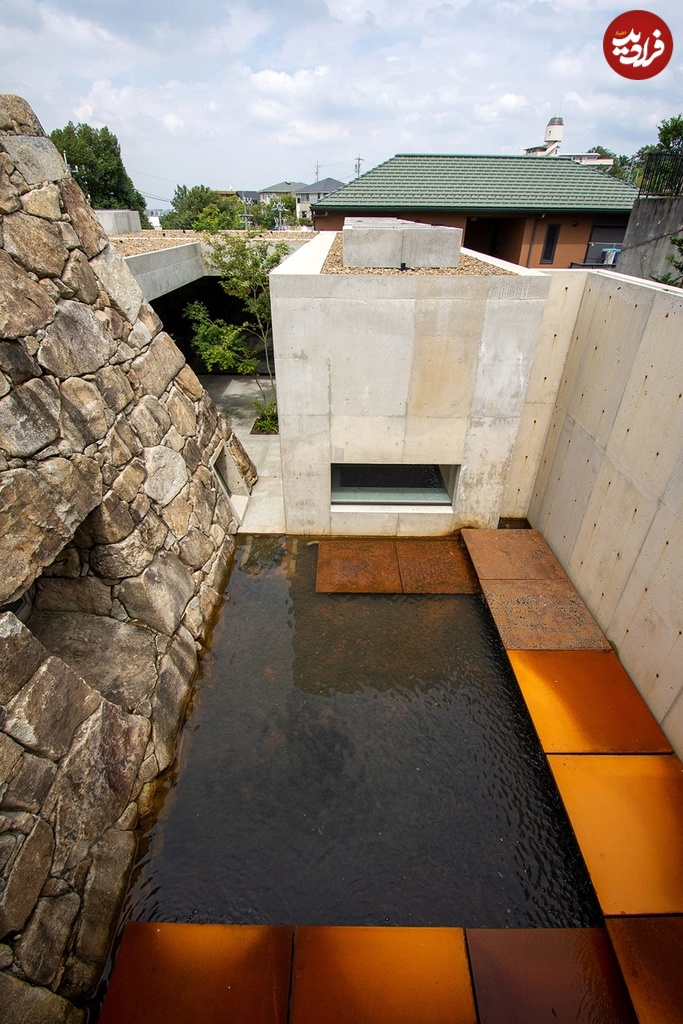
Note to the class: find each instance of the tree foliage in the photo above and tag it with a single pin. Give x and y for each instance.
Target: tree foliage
(621, 165)
(244, 263)
(218, 343)
(671, 133)
(268, 217)
(94, 157)
(202, 209)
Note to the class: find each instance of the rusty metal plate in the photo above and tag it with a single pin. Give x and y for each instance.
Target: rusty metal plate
(650, 954)
(175, 973)
(381, 975)
(436, 567)
(585, 702)
(357, 567)
(539, 975)
(627, 813)
(512, 555)
(542, 615)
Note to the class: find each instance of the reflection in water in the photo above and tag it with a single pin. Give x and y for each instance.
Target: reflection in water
(358, 759)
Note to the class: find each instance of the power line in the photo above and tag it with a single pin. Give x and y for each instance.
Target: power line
(145, 175)
(159, 199)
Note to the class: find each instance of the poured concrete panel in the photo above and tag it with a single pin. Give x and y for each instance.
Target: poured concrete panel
(619, 317)
(646, 624)
(367, 439)
(570, 481)
(488, 450)
(531, 437)
(625, 513)
(651, 399)
(386, 242)
(506, 351)
(119, 222)
(163, 271)
(396, 362)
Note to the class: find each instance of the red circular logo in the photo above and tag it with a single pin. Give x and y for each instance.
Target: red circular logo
(638, 44)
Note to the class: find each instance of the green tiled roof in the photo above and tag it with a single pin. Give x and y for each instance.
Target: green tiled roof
(481, 183)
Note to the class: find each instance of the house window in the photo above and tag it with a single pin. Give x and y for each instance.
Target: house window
(373, 484)
(550, 244)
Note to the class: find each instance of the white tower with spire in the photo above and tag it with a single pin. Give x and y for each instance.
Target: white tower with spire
(554, 134)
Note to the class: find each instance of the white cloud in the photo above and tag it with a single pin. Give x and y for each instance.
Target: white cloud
(258, 90)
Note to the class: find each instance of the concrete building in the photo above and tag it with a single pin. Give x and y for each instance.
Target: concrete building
(536, 213)
(548, 395)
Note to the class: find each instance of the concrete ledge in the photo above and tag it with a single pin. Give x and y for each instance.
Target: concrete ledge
(388, 242)
(119, 222)
(164, 270)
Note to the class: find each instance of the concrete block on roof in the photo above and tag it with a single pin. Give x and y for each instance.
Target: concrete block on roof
(387, 242)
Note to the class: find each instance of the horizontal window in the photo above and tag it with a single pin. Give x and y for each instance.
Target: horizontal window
(386, 484)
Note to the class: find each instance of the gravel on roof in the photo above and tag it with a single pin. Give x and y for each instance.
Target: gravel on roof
(151, 241)
(334, 264)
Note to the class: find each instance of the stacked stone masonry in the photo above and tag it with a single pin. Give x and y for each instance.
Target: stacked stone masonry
(115, 543)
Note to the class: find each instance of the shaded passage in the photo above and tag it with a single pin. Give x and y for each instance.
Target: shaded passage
(358, 759)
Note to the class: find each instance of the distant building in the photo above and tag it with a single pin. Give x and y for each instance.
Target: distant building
(536, 213)
(308, 194)
(282, 188)
(554, 133)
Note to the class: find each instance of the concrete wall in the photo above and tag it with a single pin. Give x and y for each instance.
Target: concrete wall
(646, 243)
(119, 222)
(382, 368)
(164, 270)
(609, 491)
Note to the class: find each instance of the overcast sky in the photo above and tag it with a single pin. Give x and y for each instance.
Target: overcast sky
(244, 94)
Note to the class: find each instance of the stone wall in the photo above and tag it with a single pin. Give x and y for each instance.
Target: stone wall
(115, 542)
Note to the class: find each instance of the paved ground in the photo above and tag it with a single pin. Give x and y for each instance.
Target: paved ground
(233, 396)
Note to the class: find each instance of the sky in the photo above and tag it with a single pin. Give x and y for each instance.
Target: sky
(246, 94)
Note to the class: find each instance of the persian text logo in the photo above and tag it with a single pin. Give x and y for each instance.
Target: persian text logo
(638, 44)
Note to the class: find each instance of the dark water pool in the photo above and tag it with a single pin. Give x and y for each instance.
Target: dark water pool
(357, 759)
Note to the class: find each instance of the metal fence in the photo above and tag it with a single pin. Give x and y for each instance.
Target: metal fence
(663, 175)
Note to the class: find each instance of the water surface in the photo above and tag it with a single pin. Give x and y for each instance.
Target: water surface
(358, 759)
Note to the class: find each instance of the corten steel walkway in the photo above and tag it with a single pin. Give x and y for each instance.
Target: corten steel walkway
(622, 787)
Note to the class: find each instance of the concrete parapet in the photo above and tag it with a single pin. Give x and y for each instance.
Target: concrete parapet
(119, 222)
(386, 242)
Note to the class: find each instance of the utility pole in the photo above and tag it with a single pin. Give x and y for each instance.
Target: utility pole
(317, 171)
(358, 164)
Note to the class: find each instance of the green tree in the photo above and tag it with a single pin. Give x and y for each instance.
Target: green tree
(671, 133)
(202, 209)
(621, 165)
(267, 216)
(224, 216)
(244, 263)
(218, 343)
(94, 157)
